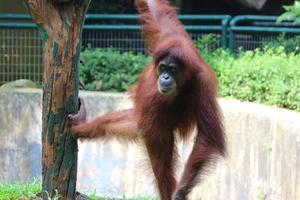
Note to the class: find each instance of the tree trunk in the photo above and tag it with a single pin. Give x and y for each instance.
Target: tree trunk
(60, 26)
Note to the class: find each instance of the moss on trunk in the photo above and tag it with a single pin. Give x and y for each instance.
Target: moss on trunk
(60, 26)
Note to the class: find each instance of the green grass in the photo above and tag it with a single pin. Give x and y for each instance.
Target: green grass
(30, 191)
(20, 191)
(93, 197)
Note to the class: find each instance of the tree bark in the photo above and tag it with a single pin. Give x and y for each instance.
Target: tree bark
(60, 26)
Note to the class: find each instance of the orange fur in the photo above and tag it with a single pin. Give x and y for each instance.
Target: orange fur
(158, 117)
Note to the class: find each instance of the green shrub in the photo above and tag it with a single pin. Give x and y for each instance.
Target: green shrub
(117, 71)
(270, 76)
(292, 13)
(20, 191)
(207, 42)
(290, 45)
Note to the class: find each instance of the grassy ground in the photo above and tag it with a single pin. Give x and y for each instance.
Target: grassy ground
(19, 191)
(30, 191)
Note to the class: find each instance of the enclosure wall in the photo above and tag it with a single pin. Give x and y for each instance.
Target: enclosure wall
(263, 159)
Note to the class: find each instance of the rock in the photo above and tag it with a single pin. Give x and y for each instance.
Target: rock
(21, 83)
(80, 196)
(99, 85)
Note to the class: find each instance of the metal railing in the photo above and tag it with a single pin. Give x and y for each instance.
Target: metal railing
(21, 47)
(125, 35)
(249, 32)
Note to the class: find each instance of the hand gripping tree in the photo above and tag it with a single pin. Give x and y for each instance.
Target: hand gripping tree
(60, 25)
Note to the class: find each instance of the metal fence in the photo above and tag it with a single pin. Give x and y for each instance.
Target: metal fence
(248, 32)
(124, 33)
(21, 48)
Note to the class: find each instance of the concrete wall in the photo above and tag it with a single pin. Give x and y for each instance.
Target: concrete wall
(263, 159)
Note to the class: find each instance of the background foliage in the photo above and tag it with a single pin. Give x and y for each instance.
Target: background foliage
(290, 45)
(292, 13)
(113, 70)
(270, 75)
